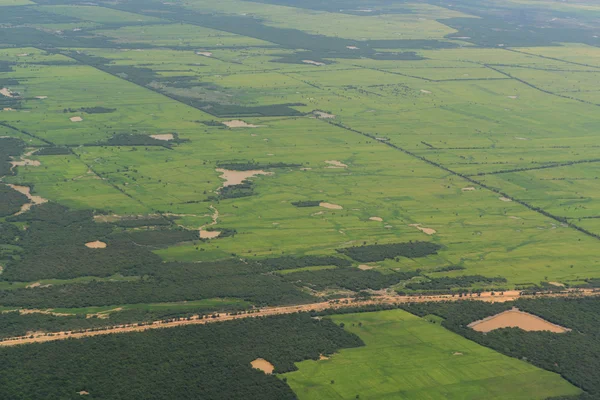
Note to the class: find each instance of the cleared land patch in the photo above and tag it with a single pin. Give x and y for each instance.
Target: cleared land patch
(263, 365)
(515, 318)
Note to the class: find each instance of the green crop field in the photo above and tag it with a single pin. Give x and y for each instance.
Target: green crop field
(407, 357)
(165, 158)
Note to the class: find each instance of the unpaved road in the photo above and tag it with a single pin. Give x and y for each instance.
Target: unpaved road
(269, 311)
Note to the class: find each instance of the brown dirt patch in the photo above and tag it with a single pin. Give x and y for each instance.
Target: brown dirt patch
(237, 123)
(557, 284)
(468, 189)
(379, 219)
(335, 164)
(513, 97)
(427, 231)
(204, 53)
(352, 47)
(425, 91)
(83, 393)
(166, 137)
(96, 245)
(33, 285)
(76, 119)
(515, 318)
(322, 357)
(34, 200)
(237, 177)
(365, 267)
(41, 97)
(331, 206)
(458, 353)
(263, 365)
(506, 199)
(313, 62)
(6, 92)
(204, 234)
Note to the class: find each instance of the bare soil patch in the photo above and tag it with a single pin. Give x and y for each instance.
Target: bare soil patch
(425, 91)
(166, 137)
(76, 119)
(505, 199)
(236, 123)
(321, 114)
(521, 138)
(96, 245)
(263, 365)
(379, 219)
(322, 357)
(352, 47)
(313, 62)
(237, 177)
(33, 285)
(204, 234)
(331, 206)
(6, 92)
(335, 164)
(83, 393)
(204, 53)
(515, 318)
(513, 217)
(468, 189)
(427, 231)
(41, 97)
(513, 97)
(365, 267)
(34, 200)
(557, 284)
(457, 354)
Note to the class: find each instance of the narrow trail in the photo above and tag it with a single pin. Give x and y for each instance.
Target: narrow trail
(271, 311)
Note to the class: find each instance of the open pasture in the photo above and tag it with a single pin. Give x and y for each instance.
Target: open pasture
(411, 358)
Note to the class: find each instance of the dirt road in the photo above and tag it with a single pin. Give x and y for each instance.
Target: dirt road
(269, 311)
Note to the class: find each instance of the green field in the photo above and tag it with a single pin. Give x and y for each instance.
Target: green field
(407, 357)
(401, 147)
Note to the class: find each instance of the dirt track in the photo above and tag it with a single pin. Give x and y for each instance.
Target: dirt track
(342, 303)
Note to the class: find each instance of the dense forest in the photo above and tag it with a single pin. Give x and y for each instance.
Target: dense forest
(10, 201)
(192, 362)
(380, 252)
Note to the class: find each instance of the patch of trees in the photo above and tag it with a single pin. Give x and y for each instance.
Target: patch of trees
(166, 282)
(9, 233)
(54, 247)
(10, 200)
(448, 283)
(251, 165)
(307, 203)
(347, 278)
(9, 147)
(575, 355)
(53, 151)
(90, 110)
(380, 252)
(449, 268)
(209, 362)
(213, 123)
(244, 189)
(156, 238)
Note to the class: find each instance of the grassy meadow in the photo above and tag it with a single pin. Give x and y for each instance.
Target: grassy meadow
(407, 357)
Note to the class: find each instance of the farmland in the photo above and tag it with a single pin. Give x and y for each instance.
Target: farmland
(166, 159)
